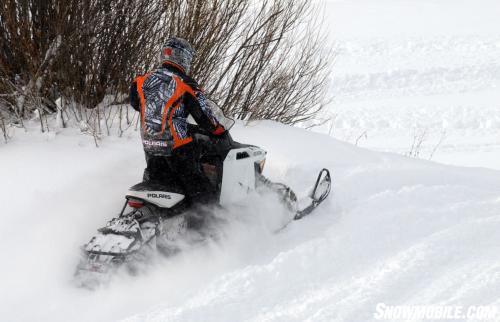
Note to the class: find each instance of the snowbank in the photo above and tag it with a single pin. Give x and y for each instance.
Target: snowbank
(425, 70)
(396, 230)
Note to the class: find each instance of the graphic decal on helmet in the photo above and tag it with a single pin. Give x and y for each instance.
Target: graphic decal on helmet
(179, 52)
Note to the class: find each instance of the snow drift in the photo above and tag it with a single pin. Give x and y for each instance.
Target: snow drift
(395, 230)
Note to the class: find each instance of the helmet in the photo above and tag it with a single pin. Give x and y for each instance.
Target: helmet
(177, 51)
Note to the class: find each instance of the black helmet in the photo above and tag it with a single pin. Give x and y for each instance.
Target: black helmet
(178, 52)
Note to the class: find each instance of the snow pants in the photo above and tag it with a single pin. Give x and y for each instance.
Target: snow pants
(182, 167)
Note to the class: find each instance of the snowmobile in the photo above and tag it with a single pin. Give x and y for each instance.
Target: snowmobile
(155, 215)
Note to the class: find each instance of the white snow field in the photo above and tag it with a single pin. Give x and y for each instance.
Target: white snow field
(395, 230)
(423, 69)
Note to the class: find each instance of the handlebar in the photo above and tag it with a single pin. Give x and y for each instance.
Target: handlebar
(195, 129)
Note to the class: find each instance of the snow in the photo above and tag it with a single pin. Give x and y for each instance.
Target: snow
(396, 230)
(406, 67)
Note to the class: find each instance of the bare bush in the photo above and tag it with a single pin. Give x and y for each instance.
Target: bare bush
(363, 135)
(81, 50)
(438, 144)
(419, 137)
(257, 60)
(3, 127)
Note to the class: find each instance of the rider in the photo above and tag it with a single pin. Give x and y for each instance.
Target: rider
(165, 98)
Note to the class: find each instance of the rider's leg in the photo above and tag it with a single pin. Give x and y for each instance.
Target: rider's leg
(188, 170)
(157, 168)
(198, 188)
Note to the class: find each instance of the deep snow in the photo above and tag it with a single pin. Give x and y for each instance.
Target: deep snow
(408, 67)
(396, 230)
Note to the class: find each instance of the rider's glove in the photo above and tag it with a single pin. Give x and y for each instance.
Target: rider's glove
(219, 130)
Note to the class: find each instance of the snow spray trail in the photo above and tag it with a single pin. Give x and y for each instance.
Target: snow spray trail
(68, 191)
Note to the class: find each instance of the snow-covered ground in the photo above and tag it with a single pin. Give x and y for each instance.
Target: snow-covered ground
(413, 70)
(396, 230)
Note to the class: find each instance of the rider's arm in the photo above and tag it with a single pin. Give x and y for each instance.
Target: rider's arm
(197, 106)
(135, 102)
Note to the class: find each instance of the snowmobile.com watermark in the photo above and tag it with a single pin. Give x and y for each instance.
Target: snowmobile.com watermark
(436, 312)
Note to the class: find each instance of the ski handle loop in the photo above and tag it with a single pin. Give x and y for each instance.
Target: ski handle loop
(327, 192)
(315, 202)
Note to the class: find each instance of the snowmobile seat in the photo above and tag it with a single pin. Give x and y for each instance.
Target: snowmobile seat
(158, 186)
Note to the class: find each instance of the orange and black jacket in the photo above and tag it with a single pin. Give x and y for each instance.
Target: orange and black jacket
(165, 98)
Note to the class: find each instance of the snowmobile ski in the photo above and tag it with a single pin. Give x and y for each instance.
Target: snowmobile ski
(319, 193)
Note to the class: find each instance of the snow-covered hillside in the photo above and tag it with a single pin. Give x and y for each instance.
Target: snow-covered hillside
(424, 70)
(396, 230)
